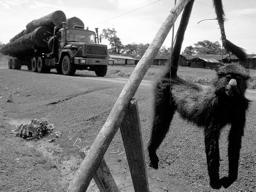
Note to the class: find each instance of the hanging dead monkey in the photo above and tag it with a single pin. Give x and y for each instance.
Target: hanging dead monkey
(212, 108)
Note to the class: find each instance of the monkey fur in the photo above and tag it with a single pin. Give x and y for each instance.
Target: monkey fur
(212, 108)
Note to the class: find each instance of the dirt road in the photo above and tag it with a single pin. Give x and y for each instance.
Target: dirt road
(78, 107)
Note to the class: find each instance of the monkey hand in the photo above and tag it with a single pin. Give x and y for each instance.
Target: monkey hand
(215, 184)
(227, 181)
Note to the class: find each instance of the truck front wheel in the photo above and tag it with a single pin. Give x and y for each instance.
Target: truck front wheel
(101, 71)
(33, 64)
(29, 66)
(58, 69)
(67, 66)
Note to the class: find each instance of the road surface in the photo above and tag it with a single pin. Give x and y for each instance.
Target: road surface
(78, 107)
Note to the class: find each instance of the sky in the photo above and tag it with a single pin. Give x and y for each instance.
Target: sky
(137, 21)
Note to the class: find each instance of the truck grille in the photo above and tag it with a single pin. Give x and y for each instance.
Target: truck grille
(96, 50)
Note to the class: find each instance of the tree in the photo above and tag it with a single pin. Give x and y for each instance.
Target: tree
(135, 50)
(131, 49)
(114, 40)
(204, 47)
(188, 50)
(164, 51)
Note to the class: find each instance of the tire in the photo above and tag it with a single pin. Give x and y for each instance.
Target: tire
(101, 71)
(33, 65)
(40, 65)
(59, 69)
(47, 70)
(29, 66)
(67, 66)
(16, 64)
(10, 64)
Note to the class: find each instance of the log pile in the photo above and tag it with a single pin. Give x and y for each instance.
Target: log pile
(53, 19)
(25, 44)
(35, 36)
(74, 22)
(23, 32)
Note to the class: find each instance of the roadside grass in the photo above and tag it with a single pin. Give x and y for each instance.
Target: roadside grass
(196, 75)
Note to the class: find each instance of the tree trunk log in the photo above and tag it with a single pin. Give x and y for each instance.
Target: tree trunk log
(53, 19)
(38, 39)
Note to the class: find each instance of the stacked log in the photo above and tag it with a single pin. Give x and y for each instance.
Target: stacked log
(74, 22)
(23, 32)
(26, 44)
(35, 36)
(53, 19)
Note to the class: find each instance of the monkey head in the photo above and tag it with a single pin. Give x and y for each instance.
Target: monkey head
(232, 80)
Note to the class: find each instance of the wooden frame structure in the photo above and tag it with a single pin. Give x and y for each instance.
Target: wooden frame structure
(124, 114)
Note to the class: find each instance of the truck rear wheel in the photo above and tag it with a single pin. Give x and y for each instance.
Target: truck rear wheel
(29, 66)
(40, 65)
(101, 71)
(67, 66)
(33, 64)
(17, 64)
(10, 64)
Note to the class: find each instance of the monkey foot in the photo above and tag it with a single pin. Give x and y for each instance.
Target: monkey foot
(153, 160)
(215, 184)
(153, 164)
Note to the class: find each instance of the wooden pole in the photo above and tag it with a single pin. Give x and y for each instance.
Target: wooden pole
(132, 139)
(92, 161)
(175, 54)
(173, 29)
(104, 179)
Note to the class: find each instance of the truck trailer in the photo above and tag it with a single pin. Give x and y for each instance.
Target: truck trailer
(56, 42)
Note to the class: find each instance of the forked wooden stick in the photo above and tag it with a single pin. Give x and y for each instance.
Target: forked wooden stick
(92, 161)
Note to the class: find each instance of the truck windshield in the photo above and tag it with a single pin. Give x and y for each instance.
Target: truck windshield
(81, 36)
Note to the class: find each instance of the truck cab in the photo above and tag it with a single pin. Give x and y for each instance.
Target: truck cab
(55, 42)
(78, 48)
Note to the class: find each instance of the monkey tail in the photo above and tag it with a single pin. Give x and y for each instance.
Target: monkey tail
(237, 51)
(229, 46)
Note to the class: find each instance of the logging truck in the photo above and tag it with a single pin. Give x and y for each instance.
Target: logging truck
(56, 42)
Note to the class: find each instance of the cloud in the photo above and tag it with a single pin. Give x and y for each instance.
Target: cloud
(246, 12)
(7, 4)
(10, 4)
(40, 4)
(4, 5)
(131, 4)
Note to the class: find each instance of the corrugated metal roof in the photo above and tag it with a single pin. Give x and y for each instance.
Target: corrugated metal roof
(210, 60)
(121, 57)
(206, 56)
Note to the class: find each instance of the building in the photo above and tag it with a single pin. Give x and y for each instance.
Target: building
(122, 60)
(160, 60)
(251, 61)
(208, 61)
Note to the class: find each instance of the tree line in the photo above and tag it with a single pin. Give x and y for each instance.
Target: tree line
(138, 49)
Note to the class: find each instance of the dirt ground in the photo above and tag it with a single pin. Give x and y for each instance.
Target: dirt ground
(78, 107)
